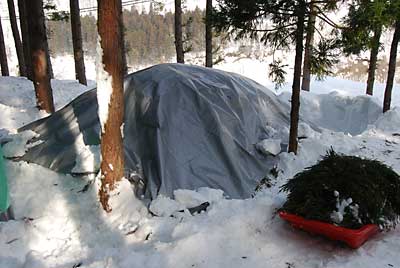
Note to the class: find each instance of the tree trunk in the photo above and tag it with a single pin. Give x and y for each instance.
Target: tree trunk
(373, 60)
(209, 56)
(295, 104)
(17, 40)
(38, 38)
(49, 65)
(77, 42)
(392, 68)
(305, 85)
(25, 38)
(3, 54)
(124, 54)
(110, 31)
(180, 58)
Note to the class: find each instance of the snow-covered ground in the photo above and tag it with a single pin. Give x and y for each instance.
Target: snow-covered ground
(61, 224)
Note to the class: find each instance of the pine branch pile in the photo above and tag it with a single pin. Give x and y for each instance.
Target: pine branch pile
(347, 191)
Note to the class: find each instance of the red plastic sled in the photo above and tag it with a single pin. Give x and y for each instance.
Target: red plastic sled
(354, 238)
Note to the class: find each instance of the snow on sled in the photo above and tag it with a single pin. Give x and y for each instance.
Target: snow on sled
(185, 127)
(354, 238)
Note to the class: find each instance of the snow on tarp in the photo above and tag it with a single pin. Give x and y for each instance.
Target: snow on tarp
(185, 127)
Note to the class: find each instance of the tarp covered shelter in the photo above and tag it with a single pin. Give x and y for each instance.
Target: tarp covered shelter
(185, 127)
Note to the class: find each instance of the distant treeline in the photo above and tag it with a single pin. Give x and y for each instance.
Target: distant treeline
(149, 37)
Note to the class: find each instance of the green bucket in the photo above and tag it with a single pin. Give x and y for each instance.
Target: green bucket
(4, 197)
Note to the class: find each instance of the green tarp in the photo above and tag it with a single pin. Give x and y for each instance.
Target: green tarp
(4, 199)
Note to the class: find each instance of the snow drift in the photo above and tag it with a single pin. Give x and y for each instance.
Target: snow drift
(185, 127)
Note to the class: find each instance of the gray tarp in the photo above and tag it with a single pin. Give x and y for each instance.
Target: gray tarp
(185, 127)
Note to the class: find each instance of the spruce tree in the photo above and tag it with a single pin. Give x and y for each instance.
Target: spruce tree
(394, 11)
(286, 26)
(364, 25)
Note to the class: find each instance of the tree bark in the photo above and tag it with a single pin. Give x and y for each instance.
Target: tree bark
(110, 31)
(41, 78)
(295, 104)
(392, 68)
(209, 56)
(25, 38)
(17, 39)
(3, 54)
(373, 60)
(180, 58)
(49, 65)
(124, 54)
(305, 85)
(77, 42)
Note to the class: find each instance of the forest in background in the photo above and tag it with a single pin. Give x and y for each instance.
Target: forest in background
(150, 38)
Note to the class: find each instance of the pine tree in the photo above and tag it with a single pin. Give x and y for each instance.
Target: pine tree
(77, 42)
(394, 10)
(180, 58)
(208, 22)
(365, 23)
(23, 21)
(246, 19)
(305, 84)
(295, 104)
(39, 54)
(3, 54)
(111, 42)
(17, 39)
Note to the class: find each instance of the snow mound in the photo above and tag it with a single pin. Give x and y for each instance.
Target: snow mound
(338, 111)
(389, 121)
(18, 92)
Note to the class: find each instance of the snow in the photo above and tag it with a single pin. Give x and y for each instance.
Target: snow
(60, 223)
(19, 144)
(87, 159)
(164, 206)
(270, 146)
(341, 205)
(104, 86)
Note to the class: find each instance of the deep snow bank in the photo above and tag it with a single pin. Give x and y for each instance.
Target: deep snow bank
(61, 226)
(338, 111)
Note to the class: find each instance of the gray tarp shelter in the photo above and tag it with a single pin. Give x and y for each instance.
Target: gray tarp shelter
(185, 127)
